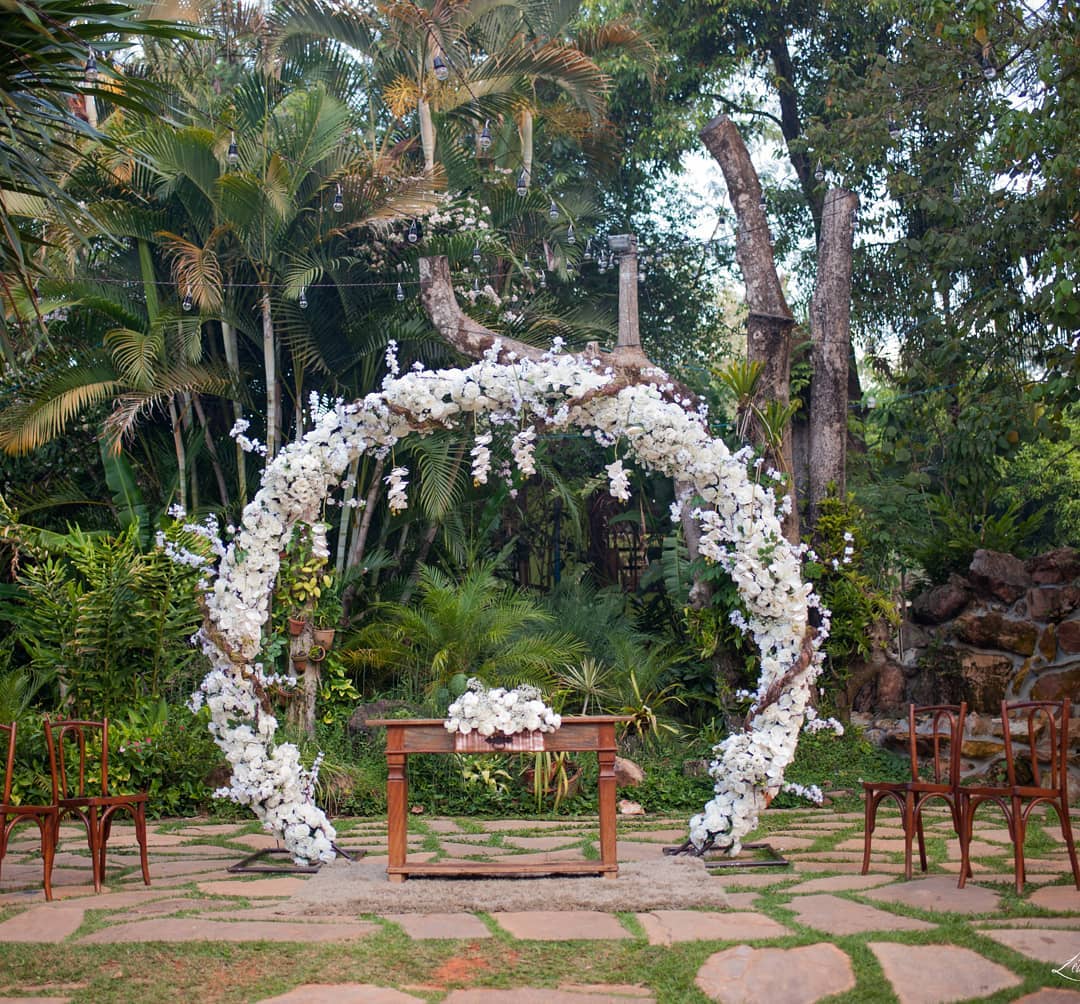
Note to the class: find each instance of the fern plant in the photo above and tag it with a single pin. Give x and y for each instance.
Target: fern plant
(111, 622)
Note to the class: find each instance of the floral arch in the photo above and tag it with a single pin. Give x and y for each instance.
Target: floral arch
(740, 529)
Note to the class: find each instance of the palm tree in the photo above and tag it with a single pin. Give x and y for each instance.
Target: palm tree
(49, 80)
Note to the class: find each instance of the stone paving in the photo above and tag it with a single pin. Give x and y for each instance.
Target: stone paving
(807, 931)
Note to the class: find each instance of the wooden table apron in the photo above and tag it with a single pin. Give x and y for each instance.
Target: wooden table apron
(586, 734)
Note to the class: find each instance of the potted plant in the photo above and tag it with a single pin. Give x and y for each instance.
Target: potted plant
(328, 611)
(316, 653)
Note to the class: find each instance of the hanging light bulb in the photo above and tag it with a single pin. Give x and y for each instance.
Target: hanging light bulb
(957, 195)
(442, 71)
(90, 71)
(601, 264)
(819, 172)
(762, 205)
(414, 232)
(339, 203)
(233, 156)
(895, 132)
(553, 211)
(485, 136)
(187, 302)
(525, 264)
(570, 238)
(543, 278)
(641, 273)
(476, 255)
(476, 285)
(400, 294)
(989, 70)
(587, 254)
(523, 182)
(302, 299)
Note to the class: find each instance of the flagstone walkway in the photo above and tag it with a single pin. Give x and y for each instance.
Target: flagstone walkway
(800, 933)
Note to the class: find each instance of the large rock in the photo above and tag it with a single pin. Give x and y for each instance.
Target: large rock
(1055, 686)
(1051, 603)
(891, 684)
(1055, 567)
(1068, 636)
(375, 709)
(627, 773)
(986, 676)
(942, 602)
(990, 629)
(999, 574)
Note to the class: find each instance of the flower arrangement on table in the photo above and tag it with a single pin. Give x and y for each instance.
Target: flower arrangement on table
(493, 716)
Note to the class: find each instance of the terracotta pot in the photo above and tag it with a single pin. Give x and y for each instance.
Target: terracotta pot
(324, 637)
(300, 665)
(296, 625)
(316, 653)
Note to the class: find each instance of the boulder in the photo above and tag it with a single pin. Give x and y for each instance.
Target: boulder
(979, 747)
(999, 574)
(891, 684)
(986, 676)
(942, 602)
(628, 808)
(1050, 603)
(627, 773)
(912, 639)
(1055, 567)
(1055, 686)
(1048, 643)
(1068, 636)
(990, 629)
(374, 709)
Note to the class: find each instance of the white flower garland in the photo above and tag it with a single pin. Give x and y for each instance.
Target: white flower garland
(507, 712)
(740, 526)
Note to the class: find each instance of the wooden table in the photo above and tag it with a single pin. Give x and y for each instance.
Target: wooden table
(404, 737)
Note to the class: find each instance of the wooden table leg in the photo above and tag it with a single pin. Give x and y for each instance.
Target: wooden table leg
(606, 786)
(397, 798)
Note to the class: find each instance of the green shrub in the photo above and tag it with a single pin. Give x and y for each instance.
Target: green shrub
(166, 751)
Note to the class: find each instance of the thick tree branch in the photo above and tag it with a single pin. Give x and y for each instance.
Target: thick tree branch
(628, 362)
(769, 324)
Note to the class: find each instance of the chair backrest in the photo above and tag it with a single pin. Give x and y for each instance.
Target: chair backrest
(946, 730)
(1034, 716)
(75, 748)
(9, 763)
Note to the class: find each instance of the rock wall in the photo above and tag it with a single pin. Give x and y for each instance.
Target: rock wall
(1008, 630)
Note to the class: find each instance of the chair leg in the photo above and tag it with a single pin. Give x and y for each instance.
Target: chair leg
(105, 828)
(48, 827)
(1019, 835)
(868, 829)
(966, 814)
(1066, 832)
(140, 836)
(93, 828)
(922, 839)
(909, 830)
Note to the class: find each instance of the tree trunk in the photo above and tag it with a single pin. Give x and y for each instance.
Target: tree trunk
(525, 132)
(181, 453)
(427, 135)
(211, 448)
(830, 334)
(232, 359)
(769, 324)
(346, 519)
(273, 391)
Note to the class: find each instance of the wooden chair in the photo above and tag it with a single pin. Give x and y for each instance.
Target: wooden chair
(74, 749)
(1047, 759)
(946, 729)
(45, 816)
